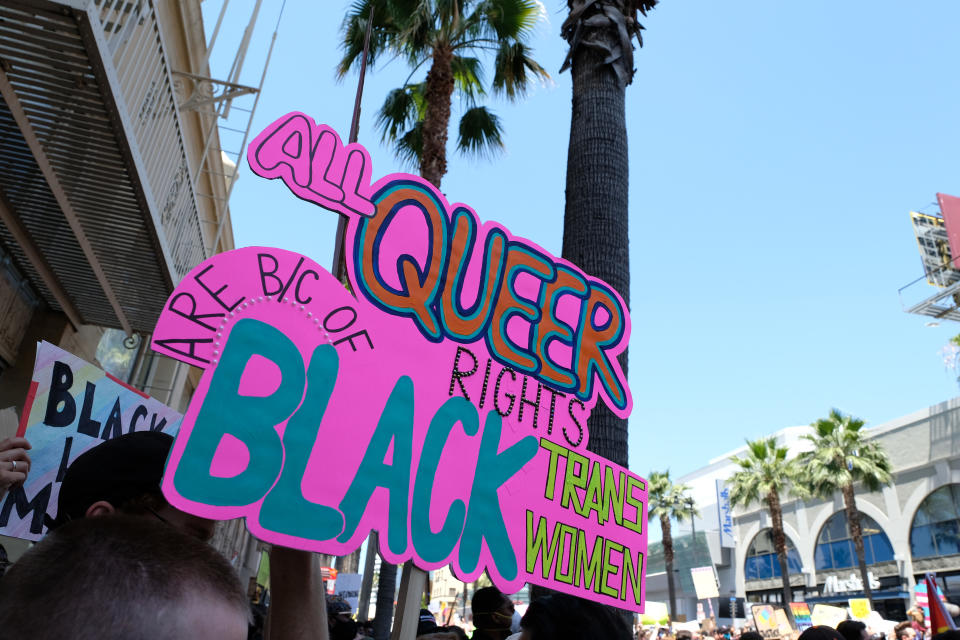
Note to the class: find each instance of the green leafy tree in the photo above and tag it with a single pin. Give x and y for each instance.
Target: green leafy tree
(453, 39)
(601, 35)
(764, 476)
(842, 456)
(668, 501)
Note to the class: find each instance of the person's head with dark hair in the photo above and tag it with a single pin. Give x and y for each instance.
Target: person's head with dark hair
(487, 600)
(427, 622)
(340, 623)
(684, 635)
(750, 635)
(562, 617)
(905, 631)
(821, 632)
(453, 630)
(492, 613)
(853, 630)
(123, 475)
(122, 577)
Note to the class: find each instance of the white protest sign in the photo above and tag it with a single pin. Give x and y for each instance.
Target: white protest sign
(348, 588)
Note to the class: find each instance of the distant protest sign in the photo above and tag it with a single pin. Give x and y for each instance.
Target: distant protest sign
(825, 614)
(705, 582)
(348, 587)
(859, 608)
(444, 404)
(655, 613)
(783, 622)
(801, 615)
(765, 619)
(71, 407)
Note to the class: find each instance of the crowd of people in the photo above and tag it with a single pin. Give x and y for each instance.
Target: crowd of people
(120, 562)
(910, 629)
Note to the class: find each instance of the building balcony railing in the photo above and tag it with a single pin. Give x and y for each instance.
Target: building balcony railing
(132, 34)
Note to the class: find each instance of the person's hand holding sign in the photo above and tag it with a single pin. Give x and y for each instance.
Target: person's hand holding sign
(14, 462)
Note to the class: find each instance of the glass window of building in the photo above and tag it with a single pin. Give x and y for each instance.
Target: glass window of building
(936, 525)
(762, 562)
(835, 547)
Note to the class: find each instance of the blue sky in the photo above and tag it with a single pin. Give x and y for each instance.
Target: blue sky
(775, 151)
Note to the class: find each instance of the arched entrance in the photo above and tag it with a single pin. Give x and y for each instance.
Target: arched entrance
(838, 574)
(935, 539)
(761, 569)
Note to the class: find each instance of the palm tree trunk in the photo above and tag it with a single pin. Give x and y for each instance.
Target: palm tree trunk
(780, 544)
(386, 590)
(595, 217)
(349, 563)
(436, 120)
(856, 532)
(668, 560)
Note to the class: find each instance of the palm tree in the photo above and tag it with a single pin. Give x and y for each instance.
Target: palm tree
(595, 229)
(669, 501)
(450, 37)
(841, 457)
(764, 475)
(386, 592)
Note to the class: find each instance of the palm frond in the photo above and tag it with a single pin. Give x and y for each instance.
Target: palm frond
(665, 499)
(684, 506)
(448, 15)
(468, 76)
(515, 70)
(506, 19)
(409, 146)
(418, 28)
(763, 469)
(481, 133)
(354, 28)
(842, 455)
(401, 110)
(658, 487)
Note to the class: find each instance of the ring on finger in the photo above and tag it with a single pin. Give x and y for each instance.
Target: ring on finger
(14, 463)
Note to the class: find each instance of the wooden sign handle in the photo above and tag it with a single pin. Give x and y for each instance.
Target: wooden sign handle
(412, 583)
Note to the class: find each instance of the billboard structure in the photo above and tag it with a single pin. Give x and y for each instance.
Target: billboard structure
(936, 252)
(938, 239)
(950, 210)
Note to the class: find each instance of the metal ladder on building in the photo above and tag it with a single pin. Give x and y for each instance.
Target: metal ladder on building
(214, 99)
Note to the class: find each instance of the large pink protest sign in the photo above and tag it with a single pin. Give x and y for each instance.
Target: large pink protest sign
(443, 405)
